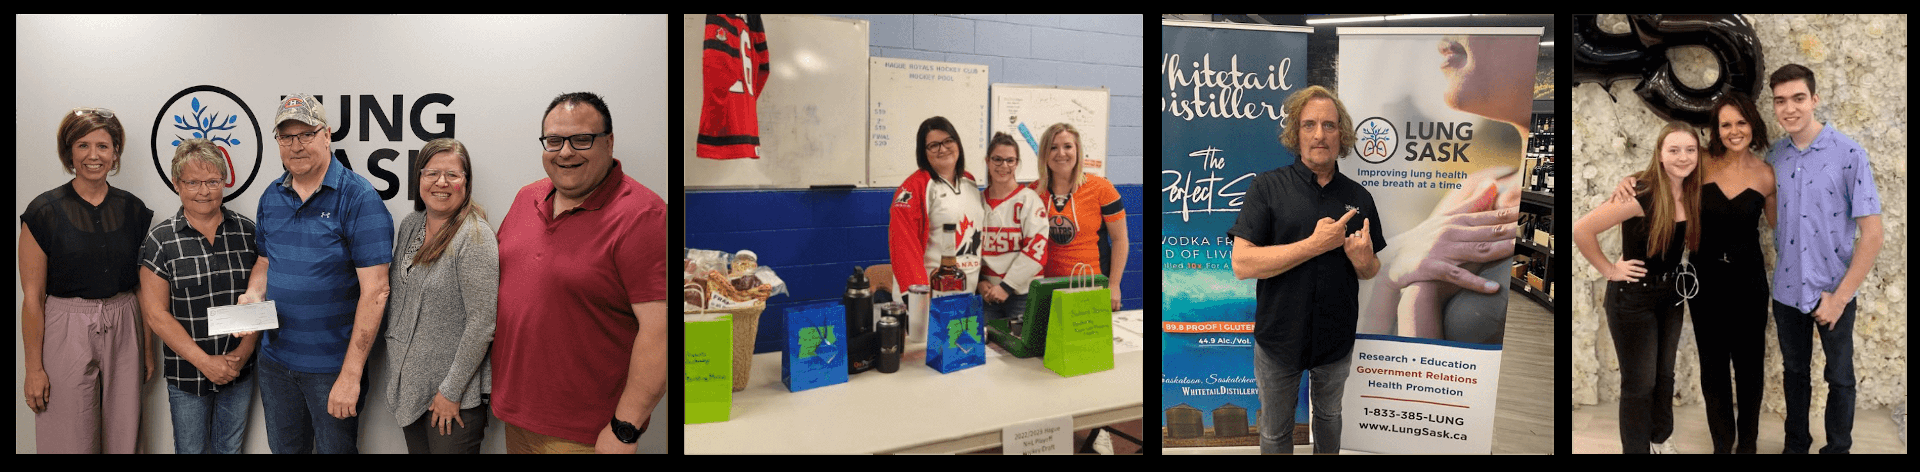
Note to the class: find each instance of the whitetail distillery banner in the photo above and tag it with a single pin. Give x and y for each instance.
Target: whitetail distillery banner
(1221, 93)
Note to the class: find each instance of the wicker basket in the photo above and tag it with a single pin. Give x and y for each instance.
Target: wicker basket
(746, 325)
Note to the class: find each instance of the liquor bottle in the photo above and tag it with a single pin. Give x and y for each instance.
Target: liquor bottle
(948, 277)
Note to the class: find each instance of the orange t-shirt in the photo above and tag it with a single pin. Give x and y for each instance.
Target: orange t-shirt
(1094, 202)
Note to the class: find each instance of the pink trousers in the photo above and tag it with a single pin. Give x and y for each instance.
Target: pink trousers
(92, 357)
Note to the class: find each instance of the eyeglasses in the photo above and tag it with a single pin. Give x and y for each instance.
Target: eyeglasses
(580, 142)
(202, 184)
(936, 145)
(1003, 160)
(287, 139)
(452, 176)
(100, 112)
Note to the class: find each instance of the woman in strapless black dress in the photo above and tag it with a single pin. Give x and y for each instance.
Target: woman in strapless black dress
(1730, 312)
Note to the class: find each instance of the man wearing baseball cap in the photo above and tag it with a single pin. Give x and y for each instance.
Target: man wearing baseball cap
(325, 239)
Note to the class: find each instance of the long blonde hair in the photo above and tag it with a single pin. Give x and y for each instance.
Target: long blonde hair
(1045, 184)
(1660, 223)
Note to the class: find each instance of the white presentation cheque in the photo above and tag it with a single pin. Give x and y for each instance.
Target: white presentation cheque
(242, 318)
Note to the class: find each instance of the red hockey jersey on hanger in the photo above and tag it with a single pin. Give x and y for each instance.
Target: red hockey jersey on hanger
(735, 72)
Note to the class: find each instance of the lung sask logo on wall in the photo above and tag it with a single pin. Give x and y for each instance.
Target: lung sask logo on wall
(217, 115)
(1375, 140)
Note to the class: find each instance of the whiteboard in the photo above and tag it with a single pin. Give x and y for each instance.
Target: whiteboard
(812, 114)
(1025, 111)
(906, 92)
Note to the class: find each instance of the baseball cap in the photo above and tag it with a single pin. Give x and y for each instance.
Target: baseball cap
(302, 107)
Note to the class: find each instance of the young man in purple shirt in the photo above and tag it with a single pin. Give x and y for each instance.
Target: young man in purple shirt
(1826, 192)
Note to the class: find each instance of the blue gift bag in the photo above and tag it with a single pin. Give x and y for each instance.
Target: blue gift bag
(955, 339)
(816, 353)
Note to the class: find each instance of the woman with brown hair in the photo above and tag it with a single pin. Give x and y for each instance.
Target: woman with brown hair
(79, 267)
(1648, 283)
(445, 281)
(1016, 248)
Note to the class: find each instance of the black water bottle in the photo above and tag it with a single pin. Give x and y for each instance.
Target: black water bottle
(892, 341)
(858, 300)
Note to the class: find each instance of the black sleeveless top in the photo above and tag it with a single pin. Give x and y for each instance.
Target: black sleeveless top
(1731, 233)
(1633, 239)
(93, 251)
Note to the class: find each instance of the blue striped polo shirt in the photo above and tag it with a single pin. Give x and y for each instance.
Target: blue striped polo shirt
(314, 248)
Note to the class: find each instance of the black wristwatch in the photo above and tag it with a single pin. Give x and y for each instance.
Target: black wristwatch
(626, 433)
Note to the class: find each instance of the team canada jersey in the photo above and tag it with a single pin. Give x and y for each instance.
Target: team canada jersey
(930, 218)
(1016, 245)
(735, 72)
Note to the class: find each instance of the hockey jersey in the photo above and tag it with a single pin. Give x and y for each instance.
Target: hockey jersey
(929, 219)
(1016, 244)
(1077, 220)
(735, 70)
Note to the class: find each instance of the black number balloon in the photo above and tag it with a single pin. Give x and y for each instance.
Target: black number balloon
(1604, 58)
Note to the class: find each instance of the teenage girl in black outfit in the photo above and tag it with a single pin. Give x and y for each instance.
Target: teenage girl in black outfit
(1643, 296)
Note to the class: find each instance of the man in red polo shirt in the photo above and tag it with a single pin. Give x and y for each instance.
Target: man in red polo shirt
(580, 350)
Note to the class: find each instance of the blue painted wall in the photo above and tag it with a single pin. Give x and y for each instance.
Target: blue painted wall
(815, 238)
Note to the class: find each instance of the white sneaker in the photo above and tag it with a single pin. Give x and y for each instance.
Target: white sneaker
(1663, 448)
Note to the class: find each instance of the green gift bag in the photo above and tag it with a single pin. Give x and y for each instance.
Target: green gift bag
(709, 367)
(1080, 328)
(1030, 339)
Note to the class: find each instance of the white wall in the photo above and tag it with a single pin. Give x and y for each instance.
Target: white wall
(500, 73)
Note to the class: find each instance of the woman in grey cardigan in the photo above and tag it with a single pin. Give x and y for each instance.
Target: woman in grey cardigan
(445, 282)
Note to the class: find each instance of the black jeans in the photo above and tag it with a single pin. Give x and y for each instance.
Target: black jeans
(423, 438)
(1644, 318)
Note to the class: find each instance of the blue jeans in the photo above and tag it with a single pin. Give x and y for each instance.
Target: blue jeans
(1796, 353)
(211, 424)
(1280, 392)
(296, 409)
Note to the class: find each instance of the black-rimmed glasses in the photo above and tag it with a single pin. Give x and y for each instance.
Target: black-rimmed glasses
(580, 142)
(941, 144)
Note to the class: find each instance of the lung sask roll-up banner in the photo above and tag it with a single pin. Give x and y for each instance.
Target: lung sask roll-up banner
(1221, 91)
(1439, 114)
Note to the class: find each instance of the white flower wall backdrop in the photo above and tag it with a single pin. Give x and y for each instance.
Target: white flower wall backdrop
(1860, 63)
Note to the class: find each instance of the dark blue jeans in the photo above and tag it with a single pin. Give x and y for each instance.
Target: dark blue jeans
(296, 409)
(1796, 352)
